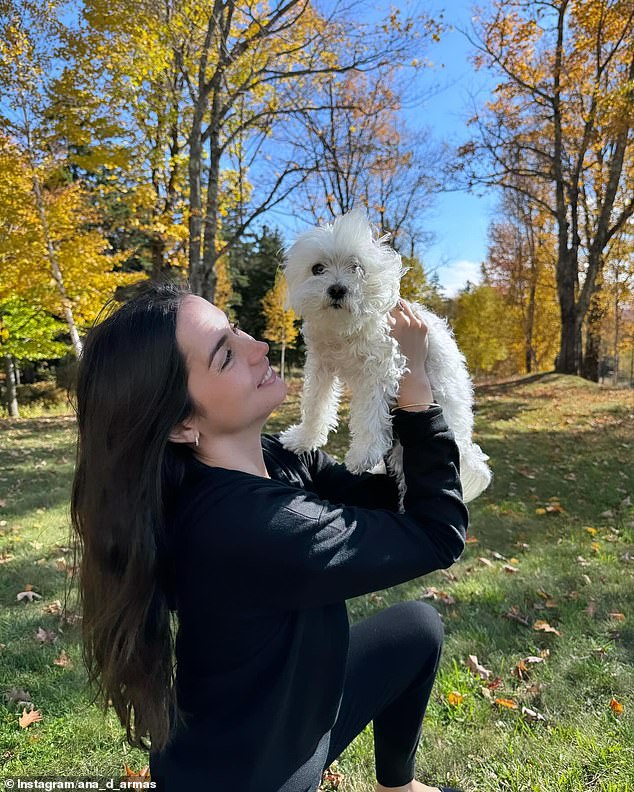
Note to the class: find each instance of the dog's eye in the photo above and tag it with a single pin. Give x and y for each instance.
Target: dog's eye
(318, 269)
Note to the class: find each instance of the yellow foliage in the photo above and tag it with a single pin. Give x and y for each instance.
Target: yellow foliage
(89, 270)
(280, 321)
(482, 326)
(224, 287)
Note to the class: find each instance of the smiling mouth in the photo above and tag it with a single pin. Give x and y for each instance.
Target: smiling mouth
(267, 377)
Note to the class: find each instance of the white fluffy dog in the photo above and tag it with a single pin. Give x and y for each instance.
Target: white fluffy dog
(343, 281)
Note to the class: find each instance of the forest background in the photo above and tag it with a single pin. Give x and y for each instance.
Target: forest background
(156, 137)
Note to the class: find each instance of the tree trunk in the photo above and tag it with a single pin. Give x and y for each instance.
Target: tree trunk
(208, 277)
(157, 247)
(594, 318)
(195, 201)
(569, 346)
(12, 395)
(617, 320)
(282, 362)
(54, 264)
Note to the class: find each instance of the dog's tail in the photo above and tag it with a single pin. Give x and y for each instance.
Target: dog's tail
(475, 474)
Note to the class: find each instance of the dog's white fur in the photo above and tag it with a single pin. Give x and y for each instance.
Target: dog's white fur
(343, 281)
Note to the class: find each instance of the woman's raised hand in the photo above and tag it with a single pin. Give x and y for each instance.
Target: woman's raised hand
(410, 331)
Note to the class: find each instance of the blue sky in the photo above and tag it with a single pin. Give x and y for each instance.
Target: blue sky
(458, 220)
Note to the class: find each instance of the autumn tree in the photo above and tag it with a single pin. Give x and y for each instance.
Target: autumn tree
(50, 254)
(27, 30)
(281, 327)
(482, 327)
(560, 129)
(256, 72)
(364, 156)
(118, 109)
(521, 265)
(26, 333)
(253, 260)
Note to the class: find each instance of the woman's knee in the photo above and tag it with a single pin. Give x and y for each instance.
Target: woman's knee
(423, 623)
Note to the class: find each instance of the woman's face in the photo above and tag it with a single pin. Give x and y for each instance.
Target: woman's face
(229, 376)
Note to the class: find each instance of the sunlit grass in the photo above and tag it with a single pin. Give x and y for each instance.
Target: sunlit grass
(558, 511)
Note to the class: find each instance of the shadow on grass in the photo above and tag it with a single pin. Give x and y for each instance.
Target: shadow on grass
(37, 469)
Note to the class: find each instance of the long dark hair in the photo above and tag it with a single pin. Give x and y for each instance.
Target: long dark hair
(131, 392)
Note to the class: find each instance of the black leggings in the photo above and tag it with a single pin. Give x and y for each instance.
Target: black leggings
(392, 664)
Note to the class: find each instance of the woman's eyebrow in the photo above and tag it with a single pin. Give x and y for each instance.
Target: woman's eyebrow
(219, 343)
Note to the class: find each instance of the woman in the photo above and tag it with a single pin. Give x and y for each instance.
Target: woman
(180, 504)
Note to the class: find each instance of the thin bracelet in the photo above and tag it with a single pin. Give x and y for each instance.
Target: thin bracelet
(423, 404)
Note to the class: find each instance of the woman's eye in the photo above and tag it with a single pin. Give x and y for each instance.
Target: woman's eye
(228, 357)
(318, 269)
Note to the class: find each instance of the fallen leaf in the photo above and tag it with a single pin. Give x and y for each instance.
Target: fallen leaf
(17, 696)
(616, 706)
(485, 561)
(433, 593)
(542, 626)
(591, 531)
(63, 660)
(540, 511)
(479, 670)
(510, 569)
(508, 703)
(454, 699)
(55, 607)
(498, 556)
(45, 636)
(514, 615)
(617, 616)
(133, 775)
(27, 718)
(332, 778)
(472, 540)
(28, 595)
(496, 683)
(532, 715)
(521, 670)
(582, 561)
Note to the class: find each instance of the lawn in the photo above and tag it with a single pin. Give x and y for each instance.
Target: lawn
(543, 597)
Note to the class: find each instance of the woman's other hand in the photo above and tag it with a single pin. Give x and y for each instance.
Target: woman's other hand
(411, 333)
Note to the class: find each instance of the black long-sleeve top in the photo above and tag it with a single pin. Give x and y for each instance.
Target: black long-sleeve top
(262, 568)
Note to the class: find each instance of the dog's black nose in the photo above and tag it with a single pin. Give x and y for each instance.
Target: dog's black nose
(336, 291)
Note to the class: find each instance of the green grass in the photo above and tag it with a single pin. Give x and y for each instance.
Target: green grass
(561, 450)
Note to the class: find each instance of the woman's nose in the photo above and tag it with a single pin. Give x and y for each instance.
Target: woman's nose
(258, 350)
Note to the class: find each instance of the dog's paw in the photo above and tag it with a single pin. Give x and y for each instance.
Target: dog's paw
(360, 460)
(297, 439)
